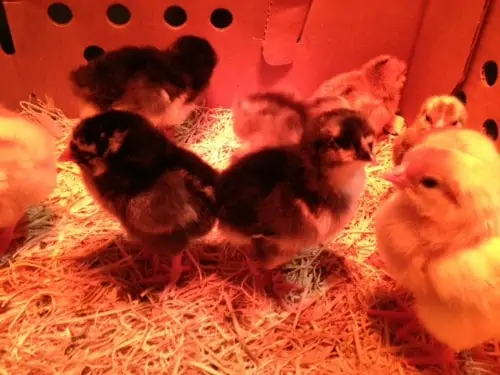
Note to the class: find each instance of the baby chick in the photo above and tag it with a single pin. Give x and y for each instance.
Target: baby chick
(439, 236)
(281, 200)
(162, 85)
(436, 112)
(267, 119)
(27, 170)
(161, 193)
(321, 104)
(375, 90)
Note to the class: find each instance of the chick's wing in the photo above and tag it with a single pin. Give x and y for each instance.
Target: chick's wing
(175, 202)
(262, 194)
(471, 277)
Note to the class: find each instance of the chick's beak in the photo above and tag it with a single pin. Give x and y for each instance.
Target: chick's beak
(397, 176)
(66, 156)
(439, 124)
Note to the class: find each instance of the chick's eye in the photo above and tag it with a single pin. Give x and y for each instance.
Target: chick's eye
(429, 182)
(428, 119)
(454, 123)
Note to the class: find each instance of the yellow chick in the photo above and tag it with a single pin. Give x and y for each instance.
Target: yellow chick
(27, 170)
(439, 235)
(440, 111)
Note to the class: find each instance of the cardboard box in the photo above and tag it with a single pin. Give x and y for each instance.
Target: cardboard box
(293, 44)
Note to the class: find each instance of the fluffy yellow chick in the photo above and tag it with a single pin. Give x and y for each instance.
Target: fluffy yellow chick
(439, 235)
(27, 170)
(439, 111)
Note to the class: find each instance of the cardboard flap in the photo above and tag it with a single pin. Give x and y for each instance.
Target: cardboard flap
(283, 30)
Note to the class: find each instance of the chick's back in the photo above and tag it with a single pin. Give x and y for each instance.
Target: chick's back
(180, 202)
(195, 57)
(106, 79)
(260, 193)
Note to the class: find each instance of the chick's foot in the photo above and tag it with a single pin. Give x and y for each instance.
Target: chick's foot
(435, 353)
(177, 269)
(405, 313)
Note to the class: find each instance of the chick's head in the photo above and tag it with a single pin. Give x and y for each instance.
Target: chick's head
(449, 176)
(113, 140)
(339, 137)
(386, 73)
(197, 57)
(442, 111)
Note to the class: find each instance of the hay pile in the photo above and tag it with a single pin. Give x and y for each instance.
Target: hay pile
(73, 300)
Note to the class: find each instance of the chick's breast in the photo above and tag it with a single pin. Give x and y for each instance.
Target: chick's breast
(462, 310)
(398, 243)
(27, 167)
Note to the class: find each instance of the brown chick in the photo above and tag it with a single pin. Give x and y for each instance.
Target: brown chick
(439, 235)
(375, 90)
(161, 193)
(162, 85)
(321, 104)
(27, 170)
(281, 200)
(435, 113)
(267, 119)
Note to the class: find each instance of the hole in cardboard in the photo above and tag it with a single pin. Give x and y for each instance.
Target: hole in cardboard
(490, 72)
(6, 42)
(490, 127)
(221, 18)
(92, 52)
(118, 14)
(175, 16)
(60, 13)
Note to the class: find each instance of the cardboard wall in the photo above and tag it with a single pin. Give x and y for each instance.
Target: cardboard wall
(294, 44)
(482, 88)
(441, 50)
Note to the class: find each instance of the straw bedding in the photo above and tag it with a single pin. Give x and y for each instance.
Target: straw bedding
(74, 299)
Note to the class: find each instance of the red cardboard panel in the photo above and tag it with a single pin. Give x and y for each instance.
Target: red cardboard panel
(258, 50)
(284, 28)
(12, 87)
(342, 35)
(440, 52)
(482, 87)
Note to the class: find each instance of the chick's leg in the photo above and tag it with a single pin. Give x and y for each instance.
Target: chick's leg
(268, 254)
(257, 273)
(6, 237)
(176, 269)
(412, 324)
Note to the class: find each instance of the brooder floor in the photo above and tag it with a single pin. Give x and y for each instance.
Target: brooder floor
(74, 301)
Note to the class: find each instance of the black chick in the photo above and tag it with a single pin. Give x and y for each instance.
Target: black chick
(161, 193)
(162, 85)
(284, 199)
